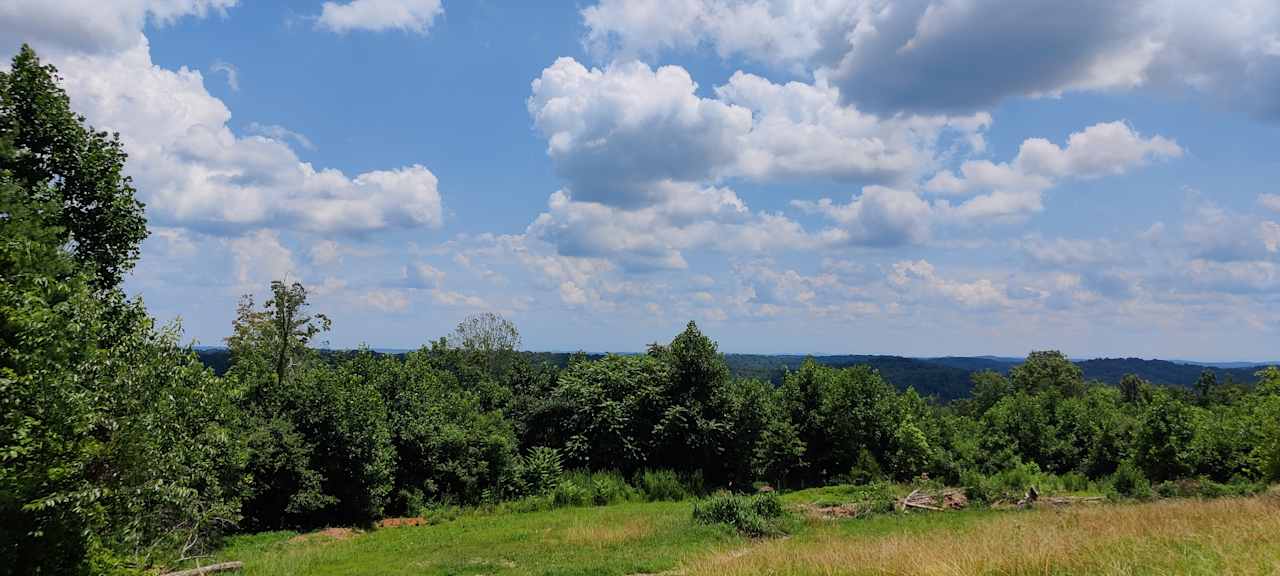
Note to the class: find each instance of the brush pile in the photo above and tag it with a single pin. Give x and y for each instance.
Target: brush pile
(945, 499)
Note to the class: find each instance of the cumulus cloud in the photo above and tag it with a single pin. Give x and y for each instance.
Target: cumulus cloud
(191, 169)
(615, 133)
(91, 25)
(1015, 189)
(260, 257)
(966, 55)
(653, 237)
(415, 16)
(921, 275)
(880, 216)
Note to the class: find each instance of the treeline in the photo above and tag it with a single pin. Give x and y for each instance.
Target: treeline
(120, 451)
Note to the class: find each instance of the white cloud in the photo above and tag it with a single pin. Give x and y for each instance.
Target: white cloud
(1015, 189)
(260, 257)
(615, 133)
(921, 275)
(280, 133)
(954, 55)
(415, 16)
(425, 275)
(93, 25)
(653, 237)
(880, 216)
(191, 170)
(233, 74)
(385, 301)
(1270, 202)
(801, 129)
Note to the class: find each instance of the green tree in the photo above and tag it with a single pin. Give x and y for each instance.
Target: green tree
(74, 173)
(1048, 370)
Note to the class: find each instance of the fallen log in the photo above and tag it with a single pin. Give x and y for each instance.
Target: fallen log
(210, 569)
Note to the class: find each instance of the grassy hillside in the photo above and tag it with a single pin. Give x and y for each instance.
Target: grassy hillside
(1226, 536)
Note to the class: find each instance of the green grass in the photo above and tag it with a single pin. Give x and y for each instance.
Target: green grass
(621, 539)
(1179, 536)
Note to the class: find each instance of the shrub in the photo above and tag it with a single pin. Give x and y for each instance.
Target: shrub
(1128, 481)
(583, 488)
(539, 471)
(757, 515)
(661, 485)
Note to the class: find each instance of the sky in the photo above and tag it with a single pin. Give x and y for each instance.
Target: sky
(911, 177)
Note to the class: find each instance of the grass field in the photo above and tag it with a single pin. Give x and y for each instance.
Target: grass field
(1225, 536)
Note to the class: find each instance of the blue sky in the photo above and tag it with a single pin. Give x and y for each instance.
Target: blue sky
(917, 177)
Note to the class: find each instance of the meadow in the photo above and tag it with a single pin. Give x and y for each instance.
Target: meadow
(1238, 535)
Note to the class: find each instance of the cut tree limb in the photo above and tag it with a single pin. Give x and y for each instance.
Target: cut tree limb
(210, 569)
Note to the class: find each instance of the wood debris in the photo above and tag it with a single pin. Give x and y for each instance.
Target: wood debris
(210, 569)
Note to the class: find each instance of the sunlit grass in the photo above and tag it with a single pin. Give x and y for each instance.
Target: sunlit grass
(1226, 536)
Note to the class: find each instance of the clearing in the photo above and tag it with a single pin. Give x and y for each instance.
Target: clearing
(1223, 536)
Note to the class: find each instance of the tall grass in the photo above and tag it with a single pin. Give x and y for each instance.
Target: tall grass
(1225, 536)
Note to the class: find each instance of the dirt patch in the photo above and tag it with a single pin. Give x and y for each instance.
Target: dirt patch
(326, 535)
(841, 512)
(398, 522)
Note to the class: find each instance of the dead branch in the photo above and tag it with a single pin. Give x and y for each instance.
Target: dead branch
(210, 569)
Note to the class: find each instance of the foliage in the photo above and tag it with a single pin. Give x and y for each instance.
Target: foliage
(1129, 482)
(755, 515)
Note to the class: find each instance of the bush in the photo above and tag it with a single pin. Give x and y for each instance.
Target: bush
(1129, 482)
(757, 515)
(658, 485)
(1206, 488)
(583, 488)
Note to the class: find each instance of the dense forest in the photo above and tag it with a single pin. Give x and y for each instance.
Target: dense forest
(122, 451)
(947, 378)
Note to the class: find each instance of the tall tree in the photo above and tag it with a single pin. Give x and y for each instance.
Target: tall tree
(489, 338)
(60, 161)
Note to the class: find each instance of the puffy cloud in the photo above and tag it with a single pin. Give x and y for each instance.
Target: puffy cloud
(880, 216)
(955, 55)
(653, 237)
(1015, 189)
(614, 133)
(260, 257)
(191, 169)
(1099, 150)
(921, 275)
(93, 25)
(376, 15)
(801, 129)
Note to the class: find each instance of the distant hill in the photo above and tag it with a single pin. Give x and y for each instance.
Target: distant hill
(1163, 372)
(946, 378)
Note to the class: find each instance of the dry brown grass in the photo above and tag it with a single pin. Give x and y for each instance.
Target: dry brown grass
(584, 532)
(1228, 536)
